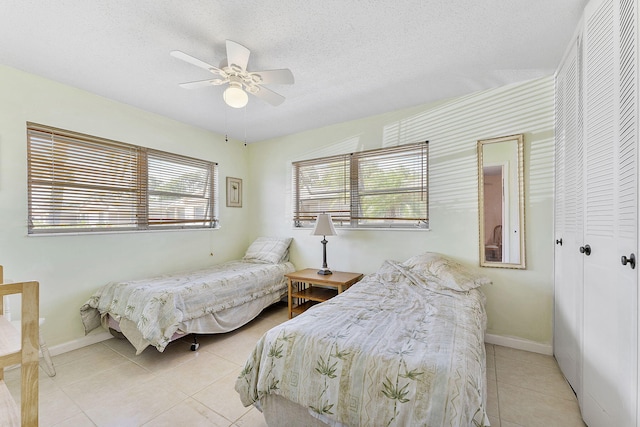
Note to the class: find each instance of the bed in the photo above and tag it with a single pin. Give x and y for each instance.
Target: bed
(221, 298)
(402, 347)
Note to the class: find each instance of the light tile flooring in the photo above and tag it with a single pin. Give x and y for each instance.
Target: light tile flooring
(106, 384)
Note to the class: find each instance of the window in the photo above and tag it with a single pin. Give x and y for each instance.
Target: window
(387, 187)
(81, 183)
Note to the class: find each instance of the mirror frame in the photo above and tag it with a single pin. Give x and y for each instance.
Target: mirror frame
(518, 139)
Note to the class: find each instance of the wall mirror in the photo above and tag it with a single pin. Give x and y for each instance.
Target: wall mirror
(501, 201)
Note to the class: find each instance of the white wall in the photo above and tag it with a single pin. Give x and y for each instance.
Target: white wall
(519, 303)
(71, 267)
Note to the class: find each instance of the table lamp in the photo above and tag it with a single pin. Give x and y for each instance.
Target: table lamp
(324, 227)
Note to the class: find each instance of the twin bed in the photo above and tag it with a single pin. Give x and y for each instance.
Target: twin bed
(217, 299)
(403, 347)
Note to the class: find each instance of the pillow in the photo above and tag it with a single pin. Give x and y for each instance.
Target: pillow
(445, 272)
(271, 250)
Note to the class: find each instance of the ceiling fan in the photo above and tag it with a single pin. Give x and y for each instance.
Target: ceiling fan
(233, 70)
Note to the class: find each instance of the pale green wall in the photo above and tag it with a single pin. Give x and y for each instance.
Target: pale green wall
(519, 303)
(70, 268)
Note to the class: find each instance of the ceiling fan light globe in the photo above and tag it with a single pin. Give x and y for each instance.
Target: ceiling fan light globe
(235, 97)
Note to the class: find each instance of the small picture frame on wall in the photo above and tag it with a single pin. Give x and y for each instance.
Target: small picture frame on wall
(234, 192)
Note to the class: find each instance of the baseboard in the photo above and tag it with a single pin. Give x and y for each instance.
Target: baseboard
(79, 343)
(519, 343)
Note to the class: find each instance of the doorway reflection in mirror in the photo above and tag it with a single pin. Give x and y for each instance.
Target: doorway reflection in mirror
(501, 202)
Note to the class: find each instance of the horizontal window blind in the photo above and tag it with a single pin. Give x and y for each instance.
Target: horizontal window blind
(179, 190)
(392, 185)
(386, 187)
(79, 183)
(322, 185)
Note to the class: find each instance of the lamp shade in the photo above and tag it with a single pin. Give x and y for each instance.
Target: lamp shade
(324, 226)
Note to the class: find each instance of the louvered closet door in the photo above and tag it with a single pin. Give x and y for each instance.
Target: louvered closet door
(568, 265)
(610, 343)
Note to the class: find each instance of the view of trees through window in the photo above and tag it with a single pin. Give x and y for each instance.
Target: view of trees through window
(376, 188)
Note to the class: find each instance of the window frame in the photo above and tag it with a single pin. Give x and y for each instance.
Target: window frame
(348, 213)
(112, 187)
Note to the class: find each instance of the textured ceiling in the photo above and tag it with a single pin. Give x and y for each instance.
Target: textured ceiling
(350, 59)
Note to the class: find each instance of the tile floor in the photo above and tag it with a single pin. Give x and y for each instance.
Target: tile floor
(105, 384)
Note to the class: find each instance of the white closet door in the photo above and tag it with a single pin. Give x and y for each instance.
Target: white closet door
(610, 289)
(568, 220)
(627, 201)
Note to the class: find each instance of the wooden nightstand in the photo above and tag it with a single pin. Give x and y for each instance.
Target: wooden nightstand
(326, 287)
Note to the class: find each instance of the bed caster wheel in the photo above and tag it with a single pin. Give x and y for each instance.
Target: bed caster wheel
(195, 344)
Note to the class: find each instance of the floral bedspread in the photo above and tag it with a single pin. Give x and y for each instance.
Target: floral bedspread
(393, 350)
(158, 305)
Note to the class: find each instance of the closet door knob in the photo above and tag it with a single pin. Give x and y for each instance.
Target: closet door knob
(559, 241)
(631, 261)
(586, 249)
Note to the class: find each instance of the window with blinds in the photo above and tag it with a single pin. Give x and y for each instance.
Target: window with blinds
(386, 187)
(81, 183)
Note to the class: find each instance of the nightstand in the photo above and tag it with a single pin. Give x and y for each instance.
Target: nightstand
(314, 288)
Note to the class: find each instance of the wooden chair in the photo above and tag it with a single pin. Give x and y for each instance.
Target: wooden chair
(48, 367)
(20, 348)
(493, 248)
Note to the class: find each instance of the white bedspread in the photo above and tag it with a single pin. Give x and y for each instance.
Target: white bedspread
(393, 350)
(157, 306)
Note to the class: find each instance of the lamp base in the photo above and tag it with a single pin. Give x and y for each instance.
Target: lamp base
(325, 271)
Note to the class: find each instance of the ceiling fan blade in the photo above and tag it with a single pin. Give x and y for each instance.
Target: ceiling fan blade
(268, 95)
(237, 54)
(283, 76)
(200, 83)
(194, 61)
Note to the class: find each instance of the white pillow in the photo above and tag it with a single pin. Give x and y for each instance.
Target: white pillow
(445, 272)
(271, 250)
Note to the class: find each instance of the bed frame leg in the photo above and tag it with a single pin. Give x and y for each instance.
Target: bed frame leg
(195, 344)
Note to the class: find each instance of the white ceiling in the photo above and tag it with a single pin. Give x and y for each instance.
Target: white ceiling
(350, 59)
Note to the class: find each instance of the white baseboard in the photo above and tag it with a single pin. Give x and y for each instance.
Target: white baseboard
(79, 343)
(73, 345)
(519, 343)
(512, 342)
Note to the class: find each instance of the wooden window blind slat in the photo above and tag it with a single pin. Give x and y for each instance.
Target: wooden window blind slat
(80, 183)
(386, 187)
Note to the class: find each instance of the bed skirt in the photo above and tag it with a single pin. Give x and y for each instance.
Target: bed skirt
(279, 411)
(215, 323)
